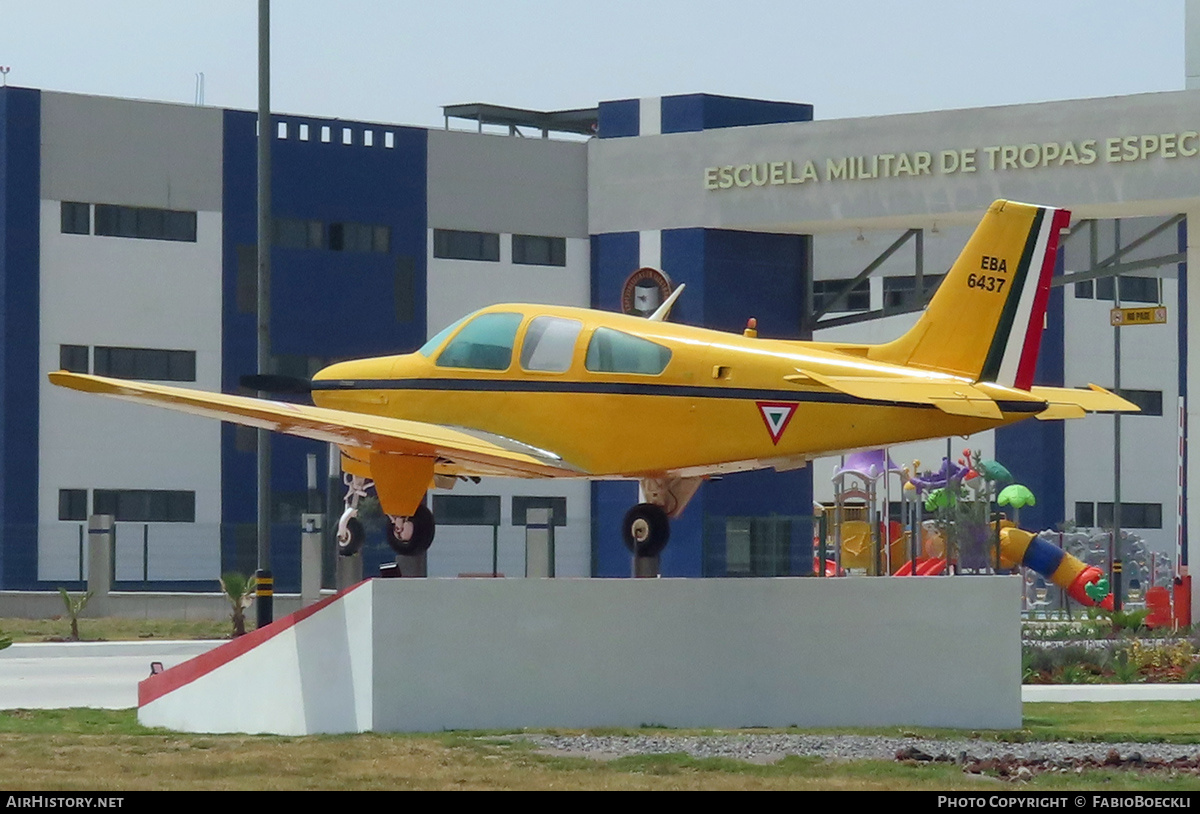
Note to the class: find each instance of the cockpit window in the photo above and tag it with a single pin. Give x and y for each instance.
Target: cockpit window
(550, 344)
(612, 351)
(437, 339)
(484, 343)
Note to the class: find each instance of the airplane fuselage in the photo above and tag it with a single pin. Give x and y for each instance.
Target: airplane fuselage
(720, 403)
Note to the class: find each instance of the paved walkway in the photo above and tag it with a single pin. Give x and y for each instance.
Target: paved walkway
(1031, 693)
(105, 675)
(101, 675)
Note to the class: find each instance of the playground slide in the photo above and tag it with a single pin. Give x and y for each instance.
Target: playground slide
(926, 566)
(1085, 584)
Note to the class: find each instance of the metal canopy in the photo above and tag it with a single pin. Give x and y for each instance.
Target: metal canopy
(581, 120)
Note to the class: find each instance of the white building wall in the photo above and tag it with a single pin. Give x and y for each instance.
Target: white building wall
(1149, 468)
(457, 288)
(126, 292)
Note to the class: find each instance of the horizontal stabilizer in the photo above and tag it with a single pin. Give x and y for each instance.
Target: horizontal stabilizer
(1069, 402)
(952, 397)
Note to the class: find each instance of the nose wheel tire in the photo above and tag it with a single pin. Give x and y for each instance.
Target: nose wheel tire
(354, 537)
(408, 536)
(646, 530)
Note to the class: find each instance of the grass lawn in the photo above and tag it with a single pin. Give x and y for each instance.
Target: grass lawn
(113, 629)
(109, 751)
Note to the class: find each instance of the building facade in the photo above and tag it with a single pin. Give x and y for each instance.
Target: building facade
(128, 248)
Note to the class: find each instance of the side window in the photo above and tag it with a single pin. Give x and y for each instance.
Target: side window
(550, 344)
(611, 351)
(484, 343)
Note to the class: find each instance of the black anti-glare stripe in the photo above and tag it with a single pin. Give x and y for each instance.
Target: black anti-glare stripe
(638, 389)
(995, 356)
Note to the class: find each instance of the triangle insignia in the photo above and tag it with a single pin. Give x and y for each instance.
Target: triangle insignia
(776, 415)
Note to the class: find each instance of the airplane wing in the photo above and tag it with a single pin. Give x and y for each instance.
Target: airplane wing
(1068, 402)
(457, 449)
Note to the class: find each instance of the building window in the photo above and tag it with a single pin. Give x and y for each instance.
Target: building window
(1133, 289)
(1133, 515)
(521, 504)
(467, 510)
(292, 233)
(532, 250)
(146, 505)
(1085, 515)
(451, 244)
(146, 363)
(73, 358)
(72, 504)
(247, 279)
(758, 546)
(145, 222)
(1150, 401)
(358, 237)
(900, 293)
(859, 298)
(1085, 290)
(76, 218)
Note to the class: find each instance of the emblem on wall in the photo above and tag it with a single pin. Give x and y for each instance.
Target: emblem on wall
(644, 291)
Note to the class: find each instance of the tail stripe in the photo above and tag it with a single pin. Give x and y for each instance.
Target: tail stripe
(1033, 331)
(1017, 304)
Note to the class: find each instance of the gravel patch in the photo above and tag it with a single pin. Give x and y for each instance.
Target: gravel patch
(771, 748)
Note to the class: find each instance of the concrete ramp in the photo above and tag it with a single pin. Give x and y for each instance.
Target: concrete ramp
(428, 655)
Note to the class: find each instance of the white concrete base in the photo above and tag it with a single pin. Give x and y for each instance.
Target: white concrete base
(1068, 693)
(427, 655)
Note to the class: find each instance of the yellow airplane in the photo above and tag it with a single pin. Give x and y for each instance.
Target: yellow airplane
(537, 391)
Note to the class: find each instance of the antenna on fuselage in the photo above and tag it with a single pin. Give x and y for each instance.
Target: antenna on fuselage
(660, 313)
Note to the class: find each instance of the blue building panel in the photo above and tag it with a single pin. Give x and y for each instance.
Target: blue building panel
(614, 257)
(619, 119)
(20, 193)
(705, 111)
(327, 303)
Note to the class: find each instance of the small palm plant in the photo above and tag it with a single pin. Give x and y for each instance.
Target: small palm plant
(4, 642)
(239, 590)
(74, 606)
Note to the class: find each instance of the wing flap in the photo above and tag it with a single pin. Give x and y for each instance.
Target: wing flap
(1070, 402)
(471, 451)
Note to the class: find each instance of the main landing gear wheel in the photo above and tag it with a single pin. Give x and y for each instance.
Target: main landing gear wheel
(351, 542)
(408, 536)
(646, 530)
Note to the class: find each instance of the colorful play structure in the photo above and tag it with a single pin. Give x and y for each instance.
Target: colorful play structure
(946, 525)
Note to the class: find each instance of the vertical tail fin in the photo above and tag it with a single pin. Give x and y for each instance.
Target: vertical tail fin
(985, 321)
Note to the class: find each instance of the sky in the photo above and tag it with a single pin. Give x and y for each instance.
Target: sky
(399, 61)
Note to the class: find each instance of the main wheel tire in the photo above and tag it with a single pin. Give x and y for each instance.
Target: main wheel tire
(421, 538)
(356, 535)
(646, 530)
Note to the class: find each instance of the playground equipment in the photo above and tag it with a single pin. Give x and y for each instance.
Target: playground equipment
(962, 533)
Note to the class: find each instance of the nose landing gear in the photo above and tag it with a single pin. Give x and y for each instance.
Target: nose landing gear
(350, 532)
(407, 536)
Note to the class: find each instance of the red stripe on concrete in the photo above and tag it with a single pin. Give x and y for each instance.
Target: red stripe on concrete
(167, 681)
